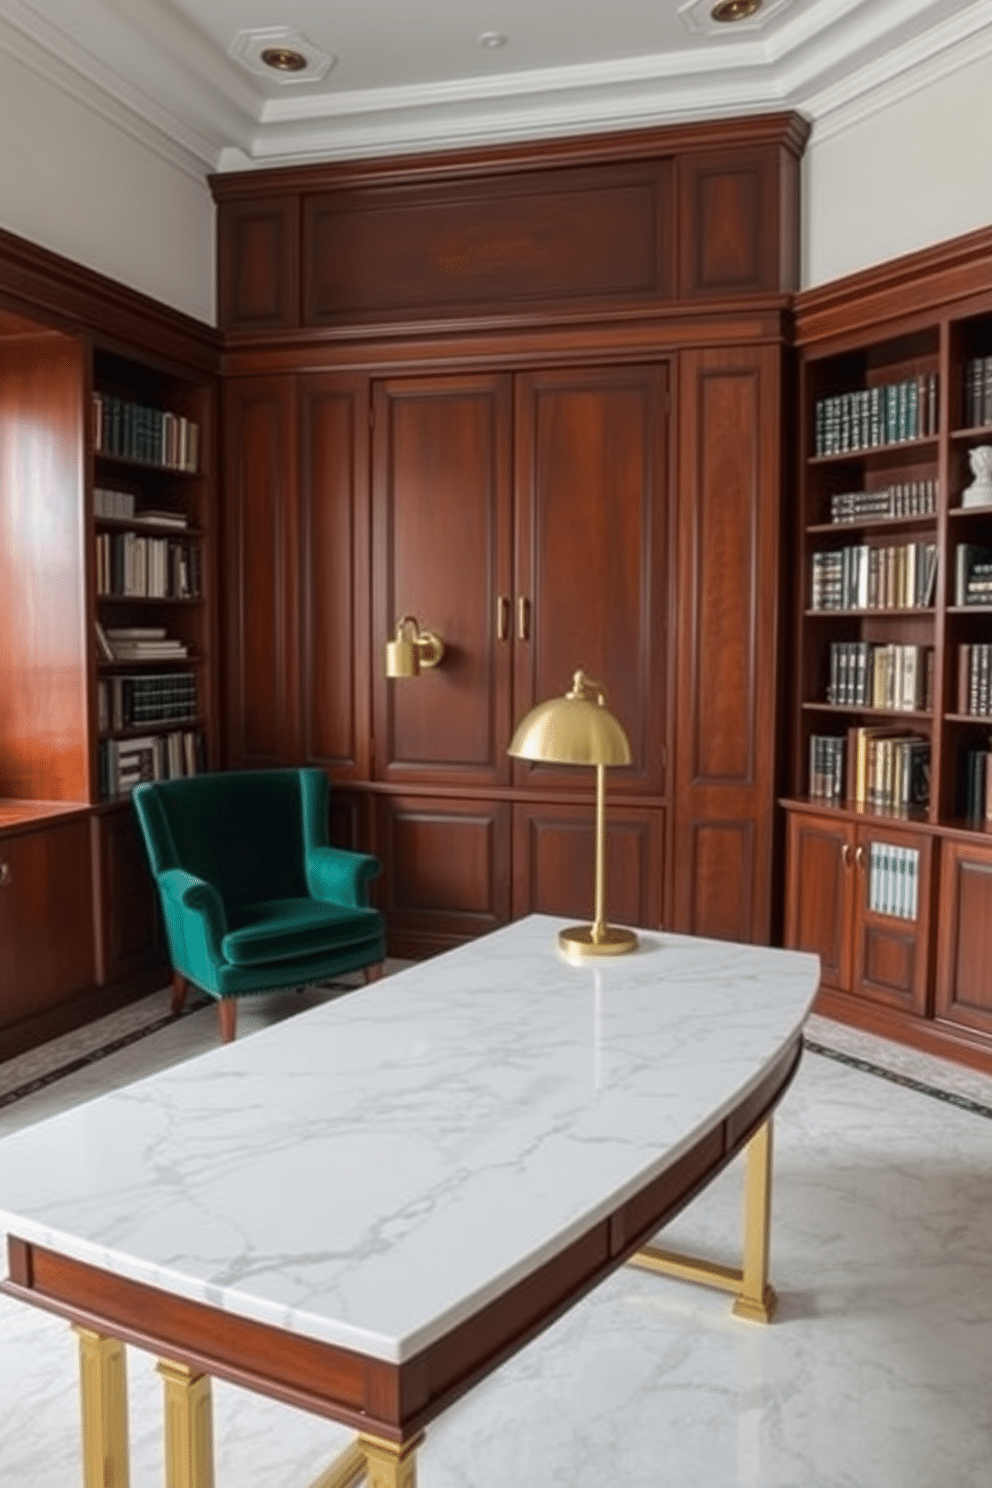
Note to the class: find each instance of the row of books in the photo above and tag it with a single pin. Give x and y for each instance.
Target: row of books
(149, 436)
(893, 880)
(122, 506)
(975, 679)
(978, 785)
(978, 391)
(863, 577)
(125, 763)
(972, 574)
(871, 766)
(129, 564)
(889, 413)
(916, 498)
(155, 697)
(881, 674)
(138, 643)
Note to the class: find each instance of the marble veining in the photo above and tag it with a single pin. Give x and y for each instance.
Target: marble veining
(303, 1176)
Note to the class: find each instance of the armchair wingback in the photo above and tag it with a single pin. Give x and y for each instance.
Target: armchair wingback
(253, 896)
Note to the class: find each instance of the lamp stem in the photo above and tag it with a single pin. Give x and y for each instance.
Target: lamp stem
(599, 924)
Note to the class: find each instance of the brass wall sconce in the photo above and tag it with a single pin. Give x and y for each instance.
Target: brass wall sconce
(578, 729)
(412, 650)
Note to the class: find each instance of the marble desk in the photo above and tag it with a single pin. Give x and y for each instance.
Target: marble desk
(365, 1209)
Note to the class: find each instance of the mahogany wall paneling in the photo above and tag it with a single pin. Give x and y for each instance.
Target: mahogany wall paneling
(446, 868)
(335, 576)
(46, 918)
(739, 220)
(129, 932)
(522, 241)
(725, 765)
(591, 555)
(819, 897)
(260, 568)
(442, 552)
(44, 655)
(964, 942)
(258, 264)
(554, 860)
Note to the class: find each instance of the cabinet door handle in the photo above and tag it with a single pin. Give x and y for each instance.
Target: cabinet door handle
(523, 618)
(845, 854)
(5, 875)
(502, 618)
(859, 857)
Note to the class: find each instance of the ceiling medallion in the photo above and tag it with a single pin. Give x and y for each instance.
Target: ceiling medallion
(734, 10)
(284, 59)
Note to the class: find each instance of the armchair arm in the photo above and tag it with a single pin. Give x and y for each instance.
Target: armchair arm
(195, 921)
(341, 877)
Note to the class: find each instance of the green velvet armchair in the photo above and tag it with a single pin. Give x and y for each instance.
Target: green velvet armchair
(253, 897)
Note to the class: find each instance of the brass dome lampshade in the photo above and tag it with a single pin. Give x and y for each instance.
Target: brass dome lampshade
(578, 729)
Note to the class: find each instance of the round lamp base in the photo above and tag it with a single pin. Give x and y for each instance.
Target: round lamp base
(580, 942)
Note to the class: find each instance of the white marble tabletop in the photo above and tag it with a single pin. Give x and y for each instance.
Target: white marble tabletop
(371, 1172)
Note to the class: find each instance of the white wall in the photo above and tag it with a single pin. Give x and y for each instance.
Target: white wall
(75, 183)
(914, 173)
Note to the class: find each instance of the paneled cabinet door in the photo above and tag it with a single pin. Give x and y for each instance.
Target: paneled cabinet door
(591, 584)
(554, 861)
(441, 551)
(964, 945)
(260, 572)
(819, 898)
(47, 951)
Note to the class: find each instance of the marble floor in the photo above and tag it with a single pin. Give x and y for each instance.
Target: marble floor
(874, 1374)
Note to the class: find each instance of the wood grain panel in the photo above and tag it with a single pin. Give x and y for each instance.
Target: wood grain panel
(446, 869)
(554, 861)
(739, 216)
(44, 665)
(441, 551)
(258, 264)
(726, 764)
(964, 946)
(336, 598)
(129, 916)
(819, 904)
(46, 919)
(591, 554)
(259, 569)
(518, 240)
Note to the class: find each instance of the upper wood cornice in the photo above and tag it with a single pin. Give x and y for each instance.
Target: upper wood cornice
(903, 290)
(788, 129)
(43, 287)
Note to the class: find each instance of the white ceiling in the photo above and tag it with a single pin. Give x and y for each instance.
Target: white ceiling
(399, 75)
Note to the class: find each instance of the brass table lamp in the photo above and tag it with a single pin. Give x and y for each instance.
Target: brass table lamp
(578, 729)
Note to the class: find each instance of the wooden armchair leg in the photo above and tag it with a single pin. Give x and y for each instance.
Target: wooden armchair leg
(227, 1012)
(373, 973)
(180, 986)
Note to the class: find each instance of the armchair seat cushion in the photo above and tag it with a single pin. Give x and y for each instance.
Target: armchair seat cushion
(274, 930)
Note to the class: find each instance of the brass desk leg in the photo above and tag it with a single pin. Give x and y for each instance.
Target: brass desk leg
(754, 1299)
(189, 1432)
(388, 1465)
(103, 1402)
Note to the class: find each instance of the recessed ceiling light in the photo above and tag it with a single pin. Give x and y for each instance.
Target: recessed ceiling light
(284, 59)
(492, 39)
(734, 10)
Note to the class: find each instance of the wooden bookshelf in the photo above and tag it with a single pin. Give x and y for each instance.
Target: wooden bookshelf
(869, 489)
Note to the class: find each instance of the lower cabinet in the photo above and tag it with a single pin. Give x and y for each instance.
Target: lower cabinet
(859, 896)
(129, 936)
(455, 868)
(47, 938)
(964, 944)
